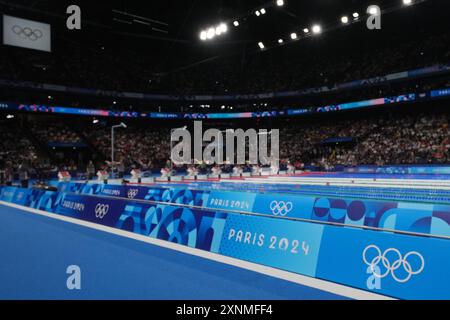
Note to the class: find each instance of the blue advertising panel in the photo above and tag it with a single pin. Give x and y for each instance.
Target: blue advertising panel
(7, 193)
(396, 265)
(424, 218)
(401, 266)
(440, 93)
(196, 228)
(200, 116)
(278, 243)
(401, 169)
(225, 200)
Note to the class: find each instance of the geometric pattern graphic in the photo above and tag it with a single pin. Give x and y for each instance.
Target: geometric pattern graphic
(402, 216)
(174, 224)
(416, 217)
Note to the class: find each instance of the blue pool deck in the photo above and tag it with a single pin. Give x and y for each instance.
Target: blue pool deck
(36, 251)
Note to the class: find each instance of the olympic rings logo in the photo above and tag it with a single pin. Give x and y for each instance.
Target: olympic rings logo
(281, 208)
(101, 210)
(27, 33)
(393, 267)
(132, 193)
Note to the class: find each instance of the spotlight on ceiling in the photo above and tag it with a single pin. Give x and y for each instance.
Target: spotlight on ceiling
(355, 15)
(344, 19)
(261, 45)
(210, 33)
(316, 29)
(203, 35)
(263, 11)
(407, 2)
(236, 23)
(306, 30)
(280, 3)
(257, 13)
(294, 36)
(223, 27)
(280, 41)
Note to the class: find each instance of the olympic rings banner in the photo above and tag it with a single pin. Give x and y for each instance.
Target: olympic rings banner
(26, 33)
(409, 216)
(400, 266)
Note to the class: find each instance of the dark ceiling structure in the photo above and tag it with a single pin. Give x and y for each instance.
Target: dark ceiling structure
(168, 31)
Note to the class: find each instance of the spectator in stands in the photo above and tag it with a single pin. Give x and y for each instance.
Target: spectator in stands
(121, 169)
(90, 170)
(2, 171)
(90, 67)
(9, 174)
(24, 174)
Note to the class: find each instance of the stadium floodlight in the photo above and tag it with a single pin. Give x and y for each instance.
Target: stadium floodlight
(210, 33)
(316, 29)
(280, 3)
(355, 15)
(294, 36)
(203, 35)
(280, 41)
(344, 19)
(407, 2)
(306, 30)
(263, 11)
(236, 23)
(10, 116)
(257, 13)
(261, 45)
(224, 27)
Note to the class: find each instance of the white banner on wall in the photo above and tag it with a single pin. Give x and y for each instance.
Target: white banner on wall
(26, 33)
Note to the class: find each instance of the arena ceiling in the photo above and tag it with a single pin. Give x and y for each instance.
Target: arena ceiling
(168, 30)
